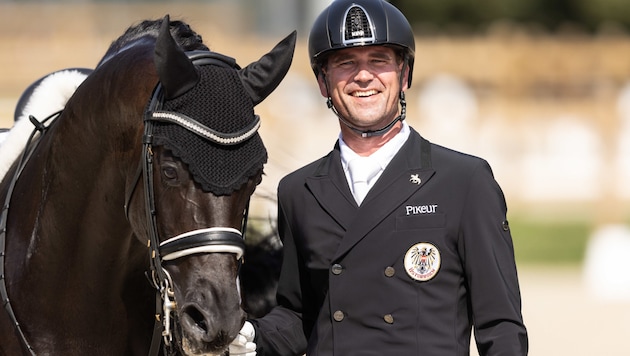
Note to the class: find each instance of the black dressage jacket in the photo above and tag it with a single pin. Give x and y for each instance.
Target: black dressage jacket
(425, 258)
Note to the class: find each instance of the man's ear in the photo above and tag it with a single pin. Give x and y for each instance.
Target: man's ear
(322, 85)
(405, 81)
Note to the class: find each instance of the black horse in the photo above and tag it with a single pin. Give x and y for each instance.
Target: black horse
(136, 196)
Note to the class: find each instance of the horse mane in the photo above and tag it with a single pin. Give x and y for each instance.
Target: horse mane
(188, 39)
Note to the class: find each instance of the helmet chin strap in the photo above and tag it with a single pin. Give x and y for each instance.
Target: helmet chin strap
(370, 133)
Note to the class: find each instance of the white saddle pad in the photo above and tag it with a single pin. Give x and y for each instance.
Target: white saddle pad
(50, 96)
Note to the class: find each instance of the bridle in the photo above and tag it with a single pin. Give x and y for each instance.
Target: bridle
(206, 240)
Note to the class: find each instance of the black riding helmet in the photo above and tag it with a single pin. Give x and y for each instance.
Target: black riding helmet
(348, 23)
(352, 23)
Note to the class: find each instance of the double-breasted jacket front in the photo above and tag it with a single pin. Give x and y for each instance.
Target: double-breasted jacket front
(426, 256)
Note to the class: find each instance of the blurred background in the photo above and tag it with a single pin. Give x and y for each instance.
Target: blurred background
(541, 89)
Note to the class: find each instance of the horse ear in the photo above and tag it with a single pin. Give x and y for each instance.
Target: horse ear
(177, 73)
(262, 77)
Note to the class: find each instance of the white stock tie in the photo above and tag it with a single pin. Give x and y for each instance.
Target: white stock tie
(362, 170)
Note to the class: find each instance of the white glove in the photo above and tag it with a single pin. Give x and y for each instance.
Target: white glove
(244, 343)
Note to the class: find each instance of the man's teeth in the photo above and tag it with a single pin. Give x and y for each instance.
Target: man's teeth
(364, 93)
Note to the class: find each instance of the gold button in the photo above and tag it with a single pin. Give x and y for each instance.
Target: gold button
(389, 319)
(338, 315)
(390, 271)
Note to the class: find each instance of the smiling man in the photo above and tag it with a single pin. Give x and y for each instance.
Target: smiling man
(364, 86)
(392, 245)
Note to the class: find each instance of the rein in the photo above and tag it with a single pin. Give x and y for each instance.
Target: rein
(31, 144)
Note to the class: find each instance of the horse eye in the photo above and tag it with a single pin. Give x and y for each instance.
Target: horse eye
(169, 172)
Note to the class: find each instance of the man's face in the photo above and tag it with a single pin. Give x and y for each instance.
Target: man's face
(364, 84)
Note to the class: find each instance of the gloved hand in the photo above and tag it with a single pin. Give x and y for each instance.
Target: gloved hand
(244, 343)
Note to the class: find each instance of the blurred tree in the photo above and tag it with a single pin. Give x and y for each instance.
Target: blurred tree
(478, 15)
(595, 13)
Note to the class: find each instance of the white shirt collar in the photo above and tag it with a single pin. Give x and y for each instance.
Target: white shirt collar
(383, 155)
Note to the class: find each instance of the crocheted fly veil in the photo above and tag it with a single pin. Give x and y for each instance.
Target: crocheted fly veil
(219, 102)
(214, 93)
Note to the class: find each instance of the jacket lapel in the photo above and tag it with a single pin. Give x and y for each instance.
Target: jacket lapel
(330, 188)
(408, 171)
(404, 175)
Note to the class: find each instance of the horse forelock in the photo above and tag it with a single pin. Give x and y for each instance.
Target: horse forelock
(219, 101)
(185, 37)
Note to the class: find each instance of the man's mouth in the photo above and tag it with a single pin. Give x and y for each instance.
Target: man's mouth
(362, 94)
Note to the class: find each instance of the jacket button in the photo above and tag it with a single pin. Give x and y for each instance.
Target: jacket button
(506, 225)
(338, 315)
(336, 269)
(390, 271)
(389, 319)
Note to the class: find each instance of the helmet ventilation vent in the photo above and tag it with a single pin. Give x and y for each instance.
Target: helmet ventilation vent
(358, 27)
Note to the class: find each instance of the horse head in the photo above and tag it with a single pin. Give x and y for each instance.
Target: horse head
(202, 160)
(158, 144)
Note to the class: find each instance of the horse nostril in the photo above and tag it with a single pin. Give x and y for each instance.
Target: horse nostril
(197, 318)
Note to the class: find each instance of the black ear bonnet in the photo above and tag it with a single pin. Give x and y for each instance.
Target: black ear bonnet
(220, 102)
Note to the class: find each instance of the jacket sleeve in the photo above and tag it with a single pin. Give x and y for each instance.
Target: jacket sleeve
(488, 257)
(281, 332)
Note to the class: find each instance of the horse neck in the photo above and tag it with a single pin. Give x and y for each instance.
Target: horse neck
(80, 178)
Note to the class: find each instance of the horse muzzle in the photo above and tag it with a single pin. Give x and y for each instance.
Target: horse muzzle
(205, 321)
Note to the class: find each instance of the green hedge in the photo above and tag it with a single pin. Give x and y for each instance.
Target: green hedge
(550, 242)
